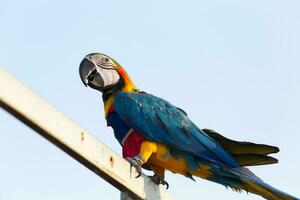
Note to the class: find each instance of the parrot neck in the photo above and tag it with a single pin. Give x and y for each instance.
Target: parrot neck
(125, 84)
(128, 85)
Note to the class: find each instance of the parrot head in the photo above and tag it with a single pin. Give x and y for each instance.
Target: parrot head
(104, 74)
(99, 72)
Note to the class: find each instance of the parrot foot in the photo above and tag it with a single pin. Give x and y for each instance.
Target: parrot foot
(159, 180)
(137, 163)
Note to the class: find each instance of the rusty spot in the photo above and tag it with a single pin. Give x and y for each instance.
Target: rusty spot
(111, 160)
(82, 136)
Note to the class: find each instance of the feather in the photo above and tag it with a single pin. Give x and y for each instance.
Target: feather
(240, 148)
(254, 159)
(245, 153)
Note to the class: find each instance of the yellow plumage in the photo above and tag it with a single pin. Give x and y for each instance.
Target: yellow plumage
(158, 158)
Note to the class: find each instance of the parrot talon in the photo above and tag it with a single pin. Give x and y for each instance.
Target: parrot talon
(137, 163)
(166, 184)
(139, 174)
(159, 180)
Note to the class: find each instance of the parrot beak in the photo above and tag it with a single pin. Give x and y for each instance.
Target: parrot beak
(89, 75)
(86, 69)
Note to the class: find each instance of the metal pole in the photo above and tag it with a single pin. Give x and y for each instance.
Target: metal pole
(32, 110)
(126, 196)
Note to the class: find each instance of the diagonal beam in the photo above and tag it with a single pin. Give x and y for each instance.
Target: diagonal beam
(36, 113)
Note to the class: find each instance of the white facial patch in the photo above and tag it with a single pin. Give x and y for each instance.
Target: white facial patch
(109, 76)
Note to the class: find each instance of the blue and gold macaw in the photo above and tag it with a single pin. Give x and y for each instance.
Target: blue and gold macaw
(159, 136)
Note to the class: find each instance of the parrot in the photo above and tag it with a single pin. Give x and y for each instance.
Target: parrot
(158, 136)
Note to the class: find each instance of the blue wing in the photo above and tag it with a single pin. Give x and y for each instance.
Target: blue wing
(158, 120)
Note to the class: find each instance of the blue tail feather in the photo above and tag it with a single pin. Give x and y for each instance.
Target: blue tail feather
(243, 179)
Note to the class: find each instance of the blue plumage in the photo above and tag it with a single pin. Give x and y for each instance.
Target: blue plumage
(158, 120)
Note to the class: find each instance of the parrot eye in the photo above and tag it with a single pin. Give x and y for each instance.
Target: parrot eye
(104, 60)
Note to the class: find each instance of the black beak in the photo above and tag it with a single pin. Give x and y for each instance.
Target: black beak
(86, 69)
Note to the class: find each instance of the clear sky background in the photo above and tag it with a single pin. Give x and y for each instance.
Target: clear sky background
(234, 66)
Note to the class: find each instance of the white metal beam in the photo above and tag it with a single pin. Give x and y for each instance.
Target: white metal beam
(32, 110)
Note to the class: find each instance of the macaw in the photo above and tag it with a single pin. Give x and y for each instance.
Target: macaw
(156, 135)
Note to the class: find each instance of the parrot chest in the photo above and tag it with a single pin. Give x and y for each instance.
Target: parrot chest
(128, 138)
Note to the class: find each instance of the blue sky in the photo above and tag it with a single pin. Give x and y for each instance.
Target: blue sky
(234, 66)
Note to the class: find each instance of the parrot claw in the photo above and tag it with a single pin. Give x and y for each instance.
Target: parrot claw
(137, 163)
(159, 180)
